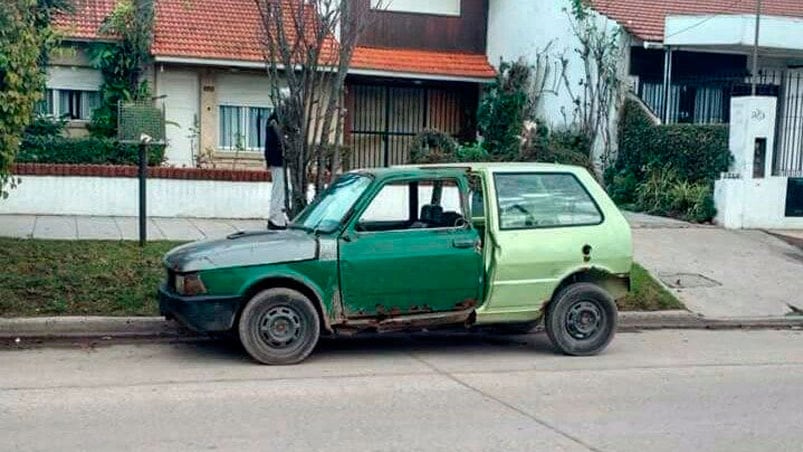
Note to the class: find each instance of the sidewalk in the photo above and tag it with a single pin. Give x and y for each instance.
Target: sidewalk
(720, 273)
(119, 228)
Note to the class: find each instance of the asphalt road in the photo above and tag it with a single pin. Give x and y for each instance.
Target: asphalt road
(662, 390)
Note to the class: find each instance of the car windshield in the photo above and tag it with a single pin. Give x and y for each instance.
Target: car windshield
(327, 213)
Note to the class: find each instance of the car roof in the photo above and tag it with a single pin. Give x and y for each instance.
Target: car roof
(495, 166)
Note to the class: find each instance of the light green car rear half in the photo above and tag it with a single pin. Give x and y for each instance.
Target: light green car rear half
(411, 248)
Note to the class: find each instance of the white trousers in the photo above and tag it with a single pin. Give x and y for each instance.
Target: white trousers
(277, 214)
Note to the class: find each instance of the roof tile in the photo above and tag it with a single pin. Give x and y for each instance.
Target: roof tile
(645, 18)
(85, 20)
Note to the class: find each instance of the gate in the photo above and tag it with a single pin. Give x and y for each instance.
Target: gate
(386, 119)
(788, 157)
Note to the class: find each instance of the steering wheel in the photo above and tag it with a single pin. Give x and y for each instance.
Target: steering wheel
(529, 219)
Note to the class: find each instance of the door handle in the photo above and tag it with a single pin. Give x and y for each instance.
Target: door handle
(463, 243)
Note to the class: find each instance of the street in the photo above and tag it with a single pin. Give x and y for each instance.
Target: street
(659, 390)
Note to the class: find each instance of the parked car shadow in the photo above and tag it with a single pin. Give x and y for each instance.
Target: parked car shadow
(388, 345)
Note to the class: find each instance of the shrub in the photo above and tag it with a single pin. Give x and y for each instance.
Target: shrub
(564, 146)
(697, 153)
(664, 193)
(503, 109)
(433, 146)
(474, 152)
(667, 169)
(90, 150)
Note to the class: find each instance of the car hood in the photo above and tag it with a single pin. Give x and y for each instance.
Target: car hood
(243, 249)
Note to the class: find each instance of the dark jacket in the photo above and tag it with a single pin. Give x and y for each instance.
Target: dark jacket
(273, 145)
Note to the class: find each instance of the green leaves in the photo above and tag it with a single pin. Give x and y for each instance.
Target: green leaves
(668, 169)
(24, 35)
(502, 110)
(121, 62)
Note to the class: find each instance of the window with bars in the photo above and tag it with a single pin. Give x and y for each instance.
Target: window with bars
(75, 105)
(242, 127)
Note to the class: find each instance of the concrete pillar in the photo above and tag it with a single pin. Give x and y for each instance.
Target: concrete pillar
(209, 114)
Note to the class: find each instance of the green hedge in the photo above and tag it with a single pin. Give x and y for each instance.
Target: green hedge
(688, 157)
(697, 153)
(89, 150)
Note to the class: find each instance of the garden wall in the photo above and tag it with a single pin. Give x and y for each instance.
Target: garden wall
(113, 191)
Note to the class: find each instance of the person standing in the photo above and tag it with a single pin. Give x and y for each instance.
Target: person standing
(274, 159)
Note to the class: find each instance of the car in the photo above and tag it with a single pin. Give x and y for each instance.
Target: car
(408, 248)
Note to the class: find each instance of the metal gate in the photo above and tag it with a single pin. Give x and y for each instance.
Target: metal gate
(386, 119)
(788, 158)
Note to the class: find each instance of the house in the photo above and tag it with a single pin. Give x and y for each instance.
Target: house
(73, 85)
(418, 65)
(684, 59)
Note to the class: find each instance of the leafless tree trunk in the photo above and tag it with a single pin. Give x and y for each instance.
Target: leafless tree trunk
(309, 45)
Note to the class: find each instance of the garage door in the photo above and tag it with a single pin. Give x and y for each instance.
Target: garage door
(181, 111)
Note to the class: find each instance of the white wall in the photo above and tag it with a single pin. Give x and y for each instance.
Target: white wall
(742, 201)
(119, 196)
(113, 196)
(522, 28)
(753, 204)
(735, 30)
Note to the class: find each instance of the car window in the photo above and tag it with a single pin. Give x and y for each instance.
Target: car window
(537, 200)
(421, 204)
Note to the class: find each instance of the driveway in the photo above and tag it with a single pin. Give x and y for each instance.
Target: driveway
(721, 273)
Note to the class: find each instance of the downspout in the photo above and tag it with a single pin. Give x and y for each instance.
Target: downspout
(667, 82)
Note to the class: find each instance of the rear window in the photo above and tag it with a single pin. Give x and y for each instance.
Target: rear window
(543, 200)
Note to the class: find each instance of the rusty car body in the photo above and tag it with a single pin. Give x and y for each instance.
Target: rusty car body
(416, 247)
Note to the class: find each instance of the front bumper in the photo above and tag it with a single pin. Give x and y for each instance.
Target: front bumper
(203, 314)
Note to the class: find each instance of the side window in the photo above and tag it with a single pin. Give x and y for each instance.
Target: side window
(391, 204)
(538, 200)
(423, 204)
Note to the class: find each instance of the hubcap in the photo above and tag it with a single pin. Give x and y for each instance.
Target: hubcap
(280, 327)
(583, 320)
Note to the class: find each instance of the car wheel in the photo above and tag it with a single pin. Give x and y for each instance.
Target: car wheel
(279, 326)
(581, 320)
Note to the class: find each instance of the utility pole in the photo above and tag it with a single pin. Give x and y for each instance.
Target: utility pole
(755, 46)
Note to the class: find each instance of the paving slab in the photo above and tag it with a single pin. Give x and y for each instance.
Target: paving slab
(17, 226)
(641, 220)
(129, 228)
(55, 227)
(248, 225)
(213, 229)
(98, 228)
(180, 229)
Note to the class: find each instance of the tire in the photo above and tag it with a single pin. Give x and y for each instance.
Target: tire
(279, 327)
(581, 320)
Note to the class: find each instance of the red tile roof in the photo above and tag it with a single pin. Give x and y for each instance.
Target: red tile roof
(85, 20)
(232, 30)
(423, 62)
(227, 30)
(645, 18)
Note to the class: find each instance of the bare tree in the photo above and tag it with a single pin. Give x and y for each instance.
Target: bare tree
(309, 46)
(600, 89)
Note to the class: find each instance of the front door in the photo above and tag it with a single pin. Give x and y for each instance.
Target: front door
(411, 251)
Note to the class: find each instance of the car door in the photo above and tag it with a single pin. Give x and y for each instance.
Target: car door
(547, 225)
(411, 250)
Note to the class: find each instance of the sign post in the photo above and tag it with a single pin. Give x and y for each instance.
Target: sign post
(141, 123)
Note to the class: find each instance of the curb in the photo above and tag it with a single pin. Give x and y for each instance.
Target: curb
(158, 327)
(89, 326)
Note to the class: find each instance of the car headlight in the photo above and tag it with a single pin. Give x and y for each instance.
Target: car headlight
(190, 284)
